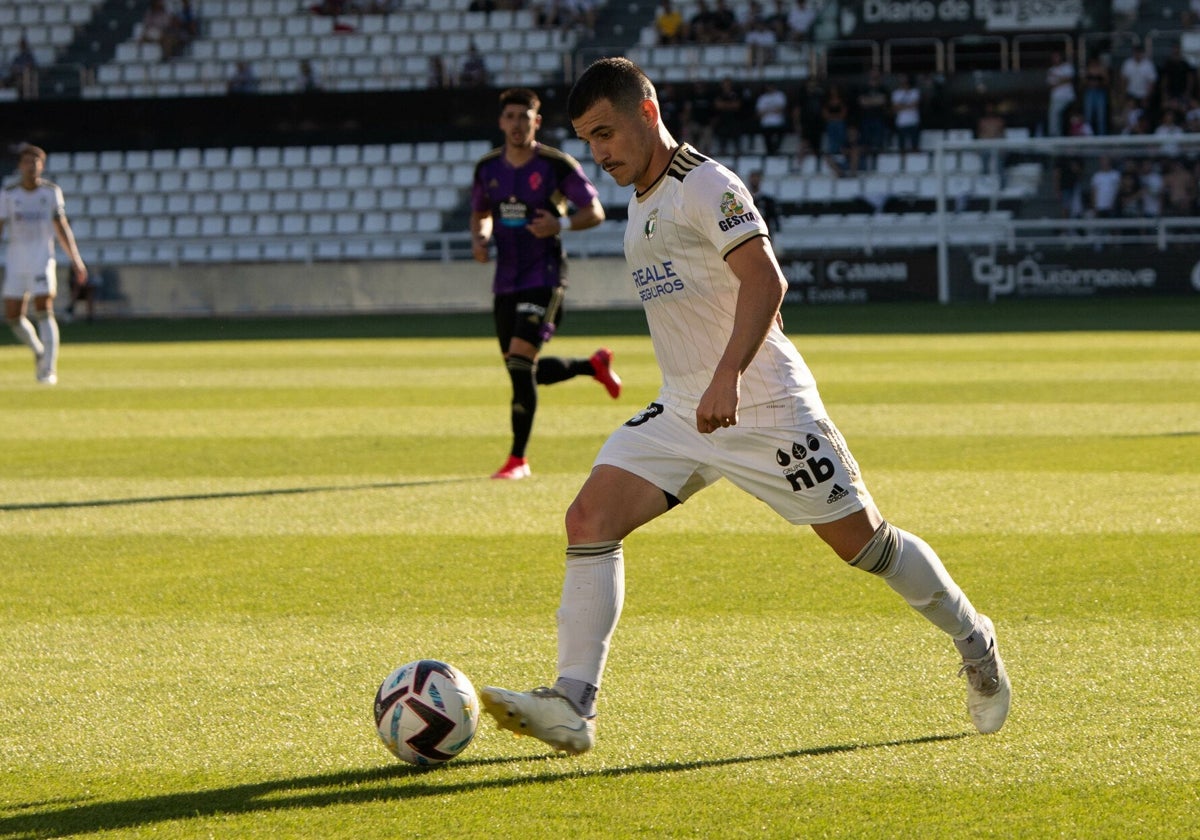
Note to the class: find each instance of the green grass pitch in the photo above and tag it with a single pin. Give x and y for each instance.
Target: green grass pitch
(216, 539)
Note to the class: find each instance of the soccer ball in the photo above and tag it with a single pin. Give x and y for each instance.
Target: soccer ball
(426, 712)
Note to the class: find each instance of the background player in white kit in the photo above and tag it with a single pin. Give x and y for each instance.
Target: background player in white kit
(33, 212)
(737, 402)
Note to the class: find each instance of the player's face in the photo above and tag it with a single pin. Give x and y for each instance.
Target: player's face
(30, 167)
(620, 142)
(519, 125)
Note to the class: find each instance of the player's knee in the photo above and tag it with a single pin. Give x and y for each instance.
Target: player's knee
(583, 521)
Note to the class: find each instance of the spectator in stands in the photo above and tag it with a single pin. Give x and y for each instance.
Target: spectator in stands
(22, 70)
(1139, 76)
(307, 80)
(699, 28)
(1129, 192)
(1105, 187)
(436, 77)
(906, 114)
(584, 14)
(474, 72)
(1105, 184)
(730, 105)
(991, 125)
(1191, 121)
(519, 197)
(800, 21)
(699, 117)
(1077, 126)
(671, 109)
(1169, 126)
(873, 117)
(244, 80)
(1096, 88)
(771, 108)
(185, 27)
(1130, 113)
(1068, 185)
(777, 21)
(35, 215)
(1177, 81)
(807, 118)
(1060, 80)
(157, 27)
(546, 13)
(1189, 18)
(764, 201)
(668, 23)
(761, 40)
(836, 115)
(1153, 188)
(1179, 189)
(723, 25)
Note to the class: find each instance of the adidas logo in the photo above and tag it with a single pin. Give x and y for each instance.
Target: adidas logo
(838, 492)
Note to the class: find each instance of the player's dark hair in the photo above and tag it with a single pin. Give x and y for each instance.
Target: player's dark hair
(618, 80)
(520, 96)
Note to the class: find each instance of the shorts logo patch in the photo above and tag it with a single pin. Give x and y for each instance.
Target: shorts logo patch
(645, 415)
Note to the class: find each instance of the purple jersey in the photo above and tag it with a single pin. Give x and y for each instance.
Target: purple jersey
(548, 181)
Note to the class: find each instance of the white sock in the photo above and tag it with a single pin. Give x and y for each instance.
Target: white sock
(23, 330)
(915, 572)
(592, 596)
(47, 328)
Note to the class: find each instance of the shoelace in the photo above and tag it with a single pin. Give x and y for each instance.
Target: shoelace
(982, 674)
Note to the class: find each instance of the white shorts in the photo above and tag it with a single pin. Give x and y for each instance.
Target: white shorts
(806, 473)
(17, 284)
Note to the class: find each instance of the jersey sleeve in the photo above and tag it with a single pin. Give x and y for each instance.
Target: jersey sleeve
(60, 205)
(479, 197)
(720, 206)
(576, 185)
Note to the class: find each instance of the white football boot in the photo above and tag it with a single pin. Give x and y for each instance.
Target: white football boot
(543, 713)
(989, 692)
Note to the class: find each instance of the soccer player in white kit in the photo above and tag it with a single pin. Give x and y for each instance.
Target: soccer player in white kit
(737, 402)
(34, 213)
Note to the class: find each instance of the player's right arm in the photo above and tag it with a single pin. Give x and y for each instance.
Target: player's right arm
(481, 234)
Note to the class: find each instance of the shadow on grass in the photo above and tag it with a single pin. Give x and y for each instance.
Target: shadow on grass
(233, 494)
(382, 784)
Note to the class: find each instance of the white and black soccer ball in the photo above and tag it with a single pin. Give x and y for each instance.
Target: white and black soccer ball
(426, 712)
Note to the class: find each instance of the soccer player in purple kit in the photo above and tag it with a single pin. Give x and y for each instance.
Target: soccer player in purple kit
(519, 199)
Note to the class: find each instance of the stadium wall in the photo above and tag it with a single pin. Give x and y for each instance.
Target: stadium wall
(337, 288)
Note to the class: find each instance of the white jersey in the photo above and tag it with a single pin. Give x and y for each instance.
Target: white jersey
(676, 241)
(29, 217)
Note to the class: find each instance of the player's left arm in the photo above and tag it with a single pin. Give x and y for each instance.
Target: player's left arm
(760, 293)
(66, 238)
(545, 223)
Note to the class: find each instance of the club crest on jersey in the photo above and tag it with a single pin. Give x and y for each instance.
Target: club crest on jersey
(651, 227)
